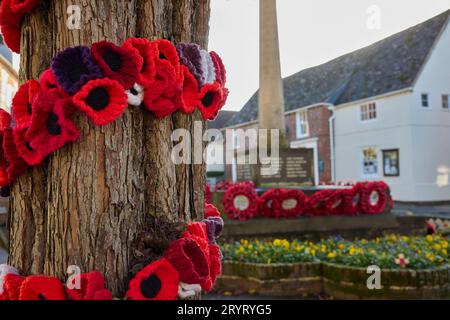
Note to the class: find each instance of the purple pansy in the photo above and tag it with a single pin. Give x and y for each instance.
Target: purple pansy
(74, 67)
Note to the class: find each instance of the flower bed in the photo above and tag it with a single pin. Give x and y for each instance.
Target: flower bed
(411, 267)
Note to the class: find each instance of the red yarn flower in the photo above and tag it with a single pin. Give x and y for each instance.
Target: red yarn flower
(23, 6)
(118, 63)
(5, 124)
(167, 55)
(16, 165)
(211, 211)
(240, 201)
(215, 262)
(187, 257)
(189, 97)
(11, 36)
(41, 288)
(146, 65)
(8, 16)
(48, 80)
(157, 281)
(51, 127)
(30, 155)
(23, 101)
(11, 286)
(221, 74)
(92, 287)
(103, 100)
(211, 99)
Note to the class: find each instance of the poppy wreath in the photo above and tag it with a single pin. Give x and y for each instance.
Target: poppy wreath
(101, 81)
(269, 202)
(291, 203)
(352, 199)
(334, 204)
(317, 203)
(240, 201)
(374, 197)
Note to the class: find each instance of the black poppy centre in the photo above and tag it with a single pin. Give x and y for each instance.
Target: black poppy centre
(52, 124)
(98, 98)
(151, 286)
(113, 60)
(208, 99)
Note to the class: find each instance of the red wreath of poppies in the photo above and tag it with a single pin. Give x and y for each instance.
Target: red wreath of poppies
(317, 203)
(232, 197)
(22, 103)
(291, 203)
(352, 198)
(146, 65)
(268, 201)
(335, 203)
(102, 100)
(374, 198)
(157, 281)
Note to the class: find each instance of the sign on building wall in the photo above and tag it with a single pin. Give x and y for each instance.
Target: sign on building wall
(293, 166)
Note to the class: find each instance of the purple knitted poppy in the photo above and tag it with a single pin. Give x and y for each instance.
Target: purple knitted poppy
(214, 226)
(189, 54)
(74, 67)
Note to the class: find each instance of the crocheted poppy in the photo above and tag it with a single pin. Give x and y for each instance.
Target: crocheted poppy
(5, 270)
(240, 201)
(11, 286)
(23, 101)
(215, 262)
(48, 81)
(23, 6)
(42, 288)
(146, 65)
(202, 241)
(30, 155)
(187, 257)
(11, 36)
(166, 54)
(211, 100)
(73, 67)
(103, 100)
(221, 74)
(118, 63)
(5, 121)
(51, 127)
(211, 211)
(189, 97)
(92, 287)
(15, 164)
(157, 281)
(214, 227)
(189, 55)
(135, 95)
(198, 229)
(8, 16)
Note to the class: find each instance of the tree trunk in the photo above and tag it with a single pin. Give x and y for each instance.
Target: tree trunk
(86, 206)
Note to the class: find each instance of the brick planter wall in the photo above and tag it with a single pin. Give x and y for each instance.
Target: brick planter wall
(342, 282)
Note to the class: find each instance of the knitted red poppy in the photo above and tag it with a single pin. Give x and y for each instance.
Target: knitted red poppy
(189, 97)
(30, 155)
(5, 123)
(103, 100)
(221, 74)
(42, 288)
(23, 101)
(23, 6)
(11, 36)
(11, 286)
(157, 281)
(291, 203)
(166, 54)
(211, 211)
(316, 204)
(51, 127)
(215, 262)
(146, 66)
(92, 287)
(198, 229)
(48, 81)
(211, 99)
(187, 257)
(269, 202)
(118, 63)
(8, 16)
(202, 240)
(16, 165)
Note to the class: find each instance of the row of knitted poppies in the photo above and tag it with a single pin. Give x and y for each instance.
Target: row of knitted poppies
(190, 264)
(241, 201)
(101, 81)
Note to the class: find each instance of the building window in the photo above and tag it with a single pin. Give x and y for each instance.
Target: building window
(301, 124)
(425, 100)
(370, 162)
(391, 163)
(368, 111)
(445, 101)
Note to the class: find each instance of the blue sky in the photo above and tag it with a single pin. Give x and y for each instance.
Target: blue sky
(311, 32)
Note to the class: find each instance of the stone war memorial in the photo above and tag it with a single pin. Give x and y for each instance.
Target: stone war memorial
(334, 182)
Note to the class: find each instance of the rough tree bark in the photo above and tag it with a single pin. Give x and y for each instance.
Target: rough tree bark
(86, 205)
